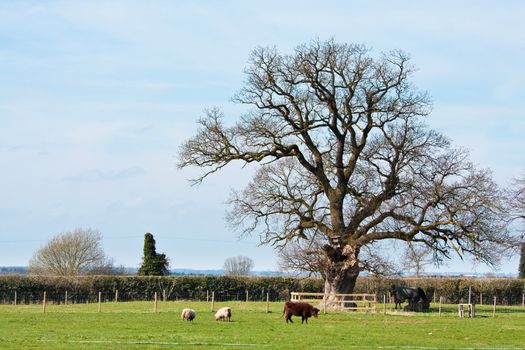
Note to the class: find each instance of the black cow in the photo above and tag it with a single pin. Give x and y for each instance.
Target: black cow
(416, 297)
(299, 308)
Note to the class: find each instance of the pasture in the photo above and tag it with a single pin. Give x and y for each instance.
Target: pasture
(134, 325)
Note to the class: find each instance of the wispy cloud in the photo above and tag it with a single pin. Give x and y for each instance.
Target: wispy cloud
(138, 84)
(96, 175)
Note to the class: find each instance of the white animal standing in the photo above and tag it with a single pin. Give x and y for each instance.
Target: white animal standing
(223, 313)
(188, 314)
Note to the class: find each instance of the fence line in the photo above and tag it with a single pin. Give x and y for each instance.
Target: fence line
(68, 297)
(363, 301)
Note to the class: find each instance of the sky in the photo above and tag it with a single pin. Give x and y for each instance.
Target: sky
(96, 98)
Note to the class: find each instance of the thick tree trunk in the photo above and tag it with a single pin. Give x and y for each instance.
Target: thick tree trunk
(341, 273)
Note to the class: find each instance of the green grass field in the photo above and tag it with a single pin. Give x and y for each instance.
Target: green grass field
(133, 325)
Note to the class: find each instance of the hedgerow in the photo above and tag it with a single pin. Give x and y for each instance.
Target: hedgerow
(30, 289)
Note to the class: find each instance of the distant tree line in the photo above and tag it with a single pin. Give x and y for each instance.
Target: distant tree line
(13, 270)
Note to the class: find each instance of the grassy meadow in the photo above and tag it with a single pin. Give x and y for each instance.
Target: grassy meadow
(134, 325)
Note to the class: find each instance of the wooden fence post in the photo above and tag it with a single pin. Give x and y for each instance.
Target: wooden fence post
(480, 298)
(65, 298)
(324, 303)
(247, 295)
(440, 301)
(116, 295)
(44, 302)
(164, 295)
(155, 302)
(267, 302)
(16, 297)
(99, 301)
(384, 304)
(522, 300)
(469, 294)
(207, 296)
(494, 308)
(212, 300)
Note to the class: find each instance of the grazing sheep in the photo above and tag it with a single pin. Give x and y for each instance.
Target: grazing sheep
(223, 313)
(188, 315)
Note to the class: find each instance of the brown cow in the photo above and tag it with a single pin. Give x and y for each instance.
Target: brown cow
(298, 308)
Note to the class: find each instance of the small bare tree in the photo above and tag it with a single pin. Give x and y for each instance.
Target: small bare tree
(302, 256)
(306, 256)
(238, 266)
(516, 198)
(78, 252)
(516, 202)
(416, 257)
(521, 266)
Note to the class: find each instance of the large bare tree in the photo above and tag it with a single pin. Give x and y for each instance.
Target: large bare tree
(345, 153)
(78, 252)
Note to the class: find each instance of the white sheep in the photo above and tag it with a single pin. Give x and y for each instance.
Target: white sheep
(188, 314)
(223, 313)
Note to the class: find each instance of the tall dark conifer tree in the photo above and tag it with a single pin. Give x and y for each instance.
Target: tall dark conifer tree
(153, 264)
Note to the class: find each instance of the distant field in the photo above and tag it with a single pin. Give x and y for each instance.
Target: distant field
(133, 325)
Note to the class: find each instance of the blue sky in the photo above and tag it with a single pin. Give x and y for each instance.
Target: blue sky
(97, 96)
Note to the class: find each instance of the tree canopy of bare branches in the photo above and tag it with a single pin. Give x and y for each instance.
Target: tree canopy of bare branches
(78, 252)
(345, 153)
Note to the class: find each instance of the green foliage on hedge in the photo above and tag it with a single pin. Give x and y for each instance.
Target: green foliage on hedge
(82, 289)
(85, 288)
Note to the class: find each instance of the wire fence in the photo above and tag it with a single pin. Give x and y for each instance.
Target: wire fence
(485, 305)
(66, 297)
(472, 297)
(16, 297)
